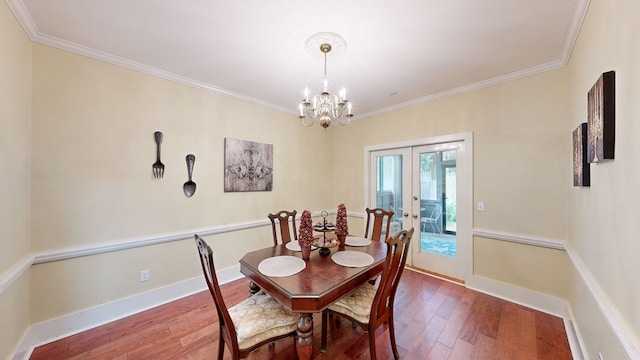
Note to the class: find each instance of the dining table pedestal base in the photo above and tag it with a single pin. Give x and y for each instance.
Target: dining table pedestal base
(304, 343)
(253, 288)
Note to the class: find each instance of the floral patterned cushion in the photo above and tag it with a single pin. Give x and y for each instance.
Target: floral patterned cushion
(357, 304)
(261, 317)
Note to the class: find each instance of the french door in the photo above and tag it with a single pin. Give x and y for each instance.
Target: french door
(421, 183)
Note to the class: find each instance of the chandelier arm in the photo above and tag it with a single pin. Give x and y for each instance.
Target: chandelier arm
(336, 108)
(335, 114)
(346, 121)
(313, 113)
(308, 122)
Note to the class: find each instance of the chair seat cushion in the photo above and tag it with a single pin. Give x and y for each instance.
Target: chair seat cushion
(261, 317)
(357, 305)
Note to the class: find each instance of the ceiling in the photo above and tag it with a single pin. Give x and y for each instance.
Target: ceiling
(397, 54)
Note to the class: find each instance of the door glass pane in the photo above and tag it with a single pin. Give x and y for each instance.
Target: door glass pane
(389, 187)
(438, 203)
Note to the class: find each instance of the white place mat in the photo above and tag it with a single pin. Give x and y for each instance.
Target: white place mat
(357, 241)
(281, 266)
(352, 258)
(295, 246)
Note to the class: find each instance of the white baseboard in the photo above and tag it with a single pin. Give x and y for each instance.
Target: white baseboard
(573, 335)
(529, 298)
(54, 329)
(534, 300)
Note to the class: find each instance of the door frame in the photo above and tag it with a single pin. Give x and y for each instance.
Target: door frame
(444, 200)
(464, 177)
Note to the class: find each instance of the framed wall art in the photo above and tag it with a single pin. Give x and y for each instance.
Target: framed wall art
(248, 166)
(581, 167)
(601, 117)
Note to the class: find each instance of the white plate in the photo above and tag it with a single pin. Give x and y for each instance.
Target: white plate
(352, 258)
(295, 246)
(357, 241)
(281, 266)
(320, 228)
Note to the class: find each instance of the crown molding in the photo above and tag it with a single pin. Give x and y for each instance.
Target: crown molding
(35, 35)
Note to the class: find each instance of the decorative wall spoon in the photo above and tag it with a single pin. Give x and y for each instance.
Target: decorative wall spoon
(190, 187)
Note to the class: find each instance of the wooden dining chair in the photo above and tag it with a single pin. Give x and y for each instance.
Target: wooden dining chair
(286, 222)
(371, 307)
(256, 321)
(377, 220)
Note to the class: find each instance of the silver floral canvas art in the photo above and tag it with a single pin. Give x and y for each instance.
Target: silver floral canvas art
(248, 166)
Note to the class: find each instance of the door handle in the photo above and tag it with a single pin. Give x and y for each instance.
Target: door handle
(405, 214)
(415, 216)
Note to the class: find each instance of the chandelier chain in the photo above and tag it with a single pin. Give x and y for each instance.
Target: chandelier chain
(325, 67)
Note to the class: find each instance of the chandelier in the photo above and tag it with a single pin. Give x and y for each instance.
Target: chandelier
(325, 107)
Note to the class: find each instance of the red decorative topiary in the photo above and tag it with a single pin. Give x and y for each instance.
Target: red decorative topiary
(306, 230)
(341, 221)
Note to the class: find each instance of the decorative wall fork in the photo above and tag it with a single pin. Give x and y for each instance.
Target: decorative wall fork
(158, 166)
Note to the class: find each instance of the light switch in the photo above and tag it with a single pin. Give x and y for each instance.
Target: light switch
(480, 206)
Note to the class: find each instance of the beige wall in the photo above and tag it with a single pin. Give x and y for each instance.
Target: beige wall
(531, 267)
(603, 218)
(93, 150)
(15, 177)
(521, 151)
(93, 147)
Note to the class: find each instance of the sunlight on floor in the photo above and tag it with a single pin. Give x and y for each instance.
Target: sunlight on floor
(438, 244)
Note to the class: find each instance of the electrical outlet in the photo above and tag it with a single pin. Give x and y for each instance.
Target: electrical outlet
(144, 275)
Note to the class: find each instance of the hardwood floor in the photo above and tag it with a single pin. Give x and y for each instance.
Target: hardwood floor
(435, 319)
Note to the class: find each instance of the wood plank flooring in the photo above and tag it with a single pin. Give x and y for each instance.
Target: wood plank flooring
(435, 319)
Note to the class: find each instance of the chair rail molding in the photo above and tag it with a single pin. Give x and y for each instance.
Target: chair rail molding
(520, 239)
(8, 277)
(13, 273)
